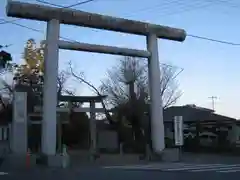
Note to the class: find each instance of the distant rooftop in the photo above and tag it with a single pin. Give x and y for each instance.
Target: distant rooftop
(192, 106)
(191, 112)
(198, 107)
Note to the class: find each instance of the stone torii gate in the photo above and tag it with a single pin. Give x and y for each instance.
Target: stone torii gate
(54, 17)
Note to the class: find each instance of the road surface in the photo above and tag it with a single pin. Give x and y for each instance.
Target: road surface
(168, 171)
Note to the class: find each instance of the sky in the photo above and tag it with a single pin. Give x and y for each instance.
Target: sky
(210, 68)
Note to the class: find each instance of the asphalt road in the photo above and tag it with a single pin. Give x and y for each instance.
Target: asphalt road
(115, 174)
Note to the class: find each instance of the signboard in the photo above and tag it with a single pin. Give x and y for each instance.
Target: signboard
(178, 129)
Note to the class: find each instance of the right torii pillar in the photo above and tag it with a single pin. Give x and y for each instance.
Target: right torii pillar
(156, 110)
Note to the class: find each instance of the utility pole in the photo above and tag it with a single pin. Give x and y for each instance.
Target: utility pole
(213, 98)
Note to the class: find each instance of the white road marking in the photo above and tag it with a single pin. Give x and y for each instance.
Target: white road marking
(199, 168)
(216, 169)
(192, 166)
(231, 170)
(224, 168)
(3, 173)
(158, 165)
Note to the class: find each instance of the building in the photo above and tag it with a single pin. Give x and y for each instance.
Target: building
(203, 125)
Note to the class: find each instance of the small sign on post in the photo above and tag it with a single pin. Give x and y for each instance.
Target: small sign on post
(178, 129)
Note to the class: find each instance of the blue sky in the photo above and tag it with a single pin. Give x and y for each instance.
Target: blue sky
(209, 68)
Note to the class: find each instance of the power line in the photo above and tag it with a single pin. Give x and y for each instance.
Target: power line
(37, 30)
(66, 7)
(180, 6)
(214, 40)
(45, 2)
(210, 2)
(226, 2)
(6, 22)
(189, 35)
(20, 25)
(165, 6)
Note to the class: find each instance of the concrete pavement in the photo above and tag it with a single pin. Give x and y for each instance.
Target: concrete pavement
(210, 158)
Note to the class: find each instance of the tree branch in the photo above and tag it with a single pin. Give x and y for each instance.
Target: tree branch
(80, 79)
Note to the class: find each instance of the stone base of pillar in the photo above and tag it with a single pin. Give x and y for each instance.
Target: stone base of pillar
(50, 161)
(167, 155)
(170, 155)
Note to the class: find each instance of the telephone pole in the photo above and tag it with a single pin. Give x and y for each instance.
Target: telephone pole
(213, 98)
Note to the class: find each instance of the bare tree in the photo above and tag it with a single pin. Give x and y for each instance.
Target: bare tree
(127, 88)
(135, 70)
(63, 77)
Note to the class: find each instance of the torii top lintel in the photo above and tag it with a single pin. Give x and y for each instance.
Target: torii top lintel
(92, 20)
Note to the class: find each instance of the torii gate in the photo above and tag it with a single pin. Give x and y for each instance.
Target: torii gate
(55, 16)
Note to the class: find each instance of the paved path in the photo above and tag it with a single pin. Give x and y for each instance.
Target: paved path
(182, 167)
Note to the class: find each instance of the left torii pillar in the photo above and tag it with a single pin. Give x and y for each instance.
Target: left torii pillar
(49, 121)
